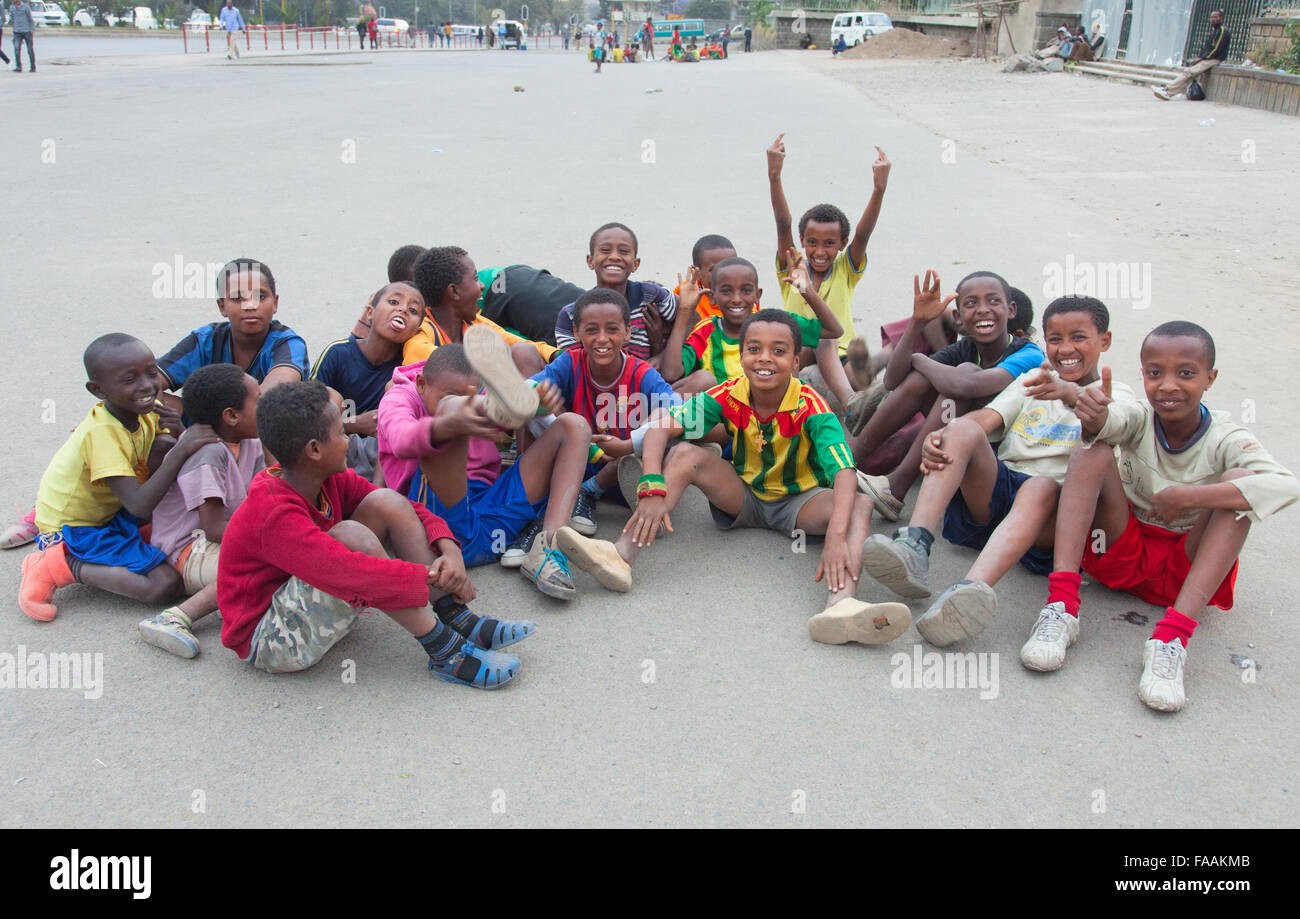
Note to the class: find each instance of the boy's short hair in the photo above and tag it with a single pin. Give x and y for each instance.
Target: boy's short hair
(235, 266)
(591, 243)
(445, 359)
(435, 269)
(709, 243)
(771, 315)
(1181, 328)
(732, 262)
(825, 213)
(1024, 316)
(601, 295)
(291, 415)
(402, 263)
(1006, 288)
(93, 357)
(211, 390)
(1090, 305)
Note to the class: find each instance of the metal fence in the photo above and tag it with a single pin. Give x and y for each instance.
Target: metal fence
(1237, 15)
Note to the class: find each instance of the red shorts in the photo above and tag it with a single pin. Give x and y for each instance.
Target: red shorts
(1150, 563)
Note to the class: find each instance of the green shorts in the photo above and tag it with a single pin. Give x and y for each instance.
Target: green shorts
(779, 515)
(301, 626)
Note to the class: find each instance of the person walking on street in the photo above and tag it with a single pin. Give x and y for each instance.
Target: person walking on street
(232, 22)
(1213, 54)
(20, 20)
(749, 37)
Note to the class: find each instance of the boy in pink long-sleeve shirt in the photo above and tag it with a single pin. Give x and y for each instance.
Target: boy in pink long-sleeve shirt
(305, 553)
(433, 447)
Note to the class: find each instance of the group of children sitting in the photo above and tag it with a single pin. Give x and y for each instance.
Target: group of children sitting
(434, 439)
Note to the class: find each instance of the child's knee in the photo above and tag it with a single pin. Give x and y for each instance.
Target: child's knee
(527, 358)
(164, 585)
(357, 536)
(964, 431)
(574, 426)
(684, 458)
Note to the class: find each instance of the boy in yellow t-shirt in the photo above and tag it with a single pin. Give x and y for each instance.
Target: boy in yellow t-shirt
(834, 269)
(103, 481)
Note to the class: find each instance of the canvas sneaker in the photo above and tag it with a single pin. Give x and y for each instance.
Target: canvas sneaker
(597, 557)
(1161, 686)
(548, 569)
(171, 633)
(876, 487)
(1053, 633)
(583, 518)
(514, 555)
(900, 563)
(962, 611)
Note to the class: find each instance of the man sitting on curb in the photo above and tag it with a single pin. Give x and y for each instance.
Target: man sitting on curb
(1213, 54)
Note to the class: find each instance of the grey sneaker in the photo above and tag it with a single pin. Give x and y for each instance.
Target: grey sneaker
(962, 611)
(583, 518)
(899, 563)
(515, 553)
(170, 632)
(1053, 634)
(548, 569)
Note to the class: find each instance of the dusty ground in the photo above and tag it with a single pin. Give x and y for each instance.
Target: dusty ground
(746, 721)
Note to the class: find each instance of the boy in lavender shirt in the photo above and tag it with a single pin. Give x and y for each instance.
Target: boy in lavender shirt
(190, 520)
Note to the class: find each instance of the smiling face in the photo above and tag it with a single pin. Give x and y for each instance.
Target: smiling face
(709, 258)
(333, 456)
(736, 293)
(982, 310)
(248, 303)
(1074, 346)
(602, 333)
(822, 241)
(396, 317)
(463, 295)
(1176, 373)
(128, 380)
(613, 258)
(768, 357)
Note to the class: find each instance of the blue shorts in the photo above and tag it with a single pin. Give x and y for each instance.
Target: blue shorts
(488, 518)
(962, 530)
(116, 544)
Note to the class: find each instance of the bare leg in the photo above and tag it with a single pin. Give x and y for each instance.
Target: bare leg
(160, 586)
(1031, 523)
(202, 603)
(973, 470)
(828, 362)
(687, 464)
(1213, 547)
(553, 467)
(1092, 499)
(527, 358)
(941, 412)
(444, 471)
(359, 537)
(815, 516)
(914, 394)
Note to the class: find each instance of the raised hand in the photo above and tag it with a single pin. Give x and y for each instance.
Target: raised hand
(776, 155)
(927, 300)
(1090, 407)
(880, 170)
(799, 278)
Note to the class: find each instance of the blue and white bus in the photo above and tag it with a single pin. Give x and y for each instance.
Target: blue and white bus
(691, 28)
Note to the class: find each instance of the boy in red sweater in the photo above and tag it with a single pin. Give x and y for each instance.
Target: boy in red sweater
(305, 553)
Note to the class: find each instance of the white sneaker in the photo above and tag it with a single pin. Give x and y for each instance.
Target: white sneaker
(1161, 686)
(1053, 633)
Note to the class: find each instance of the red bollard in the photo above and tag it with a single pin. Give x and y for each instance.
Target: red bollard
(282, 36)
(266, 40)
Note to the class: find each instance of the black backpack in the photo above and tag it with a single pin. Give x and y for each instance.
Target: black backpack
(1195, 93)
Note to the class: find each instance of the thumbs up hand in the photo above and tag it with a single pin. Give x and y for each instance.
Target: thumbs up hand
(1090, 407)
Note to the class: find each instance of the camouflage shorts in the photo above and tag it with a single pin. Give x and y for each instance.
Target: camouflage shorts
(301, 626)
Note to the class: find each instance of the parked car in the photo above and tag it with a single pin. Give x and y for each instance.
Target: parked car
(395, 26)
(47, 14)
(141, 17)
(85, 16)
(858, 27)
(515, 34)
(198, 20)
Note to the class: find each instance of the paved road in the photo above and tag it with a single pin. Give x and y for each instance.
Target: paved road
(698, 699)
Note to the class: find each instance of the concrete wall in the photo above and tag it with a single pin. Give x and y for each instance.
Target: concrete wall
(1268, 33)
(1263, 89)
(1024, 24)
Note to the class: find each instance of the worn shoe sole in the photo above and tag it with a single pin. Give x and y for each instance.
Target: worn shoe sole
(866, 623)
(168, 640)
(513, 561)
(881, 562)
(630, 470)
(962, 614)
(583, 553)
(489, 355)
(887, 505)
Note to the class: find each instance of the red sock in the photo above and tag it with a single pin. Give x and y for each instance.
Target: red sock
(1063, 587)
(1175, 625)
